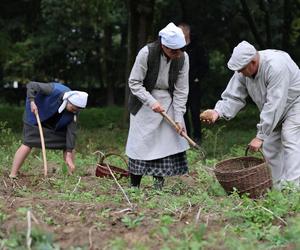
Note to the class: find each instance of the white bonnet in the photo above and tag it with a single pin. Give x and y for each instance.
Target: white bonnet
(77, 98)
(172, 37)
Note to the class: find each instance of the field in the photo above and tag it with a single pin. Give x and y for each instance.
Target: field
(83, 211)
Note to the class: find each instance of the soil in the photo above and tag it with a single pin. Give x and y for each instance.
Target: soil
(88, 224)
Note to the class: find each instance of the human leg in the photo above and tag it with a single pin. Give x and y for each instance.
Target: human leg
(69, 157)
(158, 182)
(273, 153)
(291, 147)
(168, 166)
(19, 159)
(136, 170)
(135, 180)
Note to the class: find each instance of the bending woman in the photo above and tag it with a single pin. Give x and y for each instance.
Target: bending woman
(58, 107)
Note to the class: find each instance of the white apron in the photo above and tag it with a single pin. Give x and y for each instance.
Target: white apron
(150, 135)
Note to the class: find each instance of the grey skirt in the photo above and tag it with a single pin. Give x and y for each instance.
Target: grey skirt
(53, 139)
(167, 166)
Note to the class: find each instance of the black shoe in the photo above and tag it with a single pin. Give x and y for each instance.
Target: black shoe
(135, 180)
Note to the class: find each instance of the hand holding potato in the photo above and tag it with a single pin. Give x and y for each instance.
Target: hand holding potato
(209, 116)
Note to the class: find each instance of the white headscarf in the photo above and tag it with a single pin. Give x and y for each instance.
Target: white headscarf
(172, 37)
(77, 98)
(242, 54)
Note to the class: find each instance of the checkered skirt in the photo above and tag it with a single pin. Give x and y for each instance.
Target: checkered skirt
(167, 166)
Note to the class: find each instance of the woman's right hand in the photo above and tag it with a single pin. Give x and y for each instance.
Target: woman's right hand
(33, 107)
(156, 107)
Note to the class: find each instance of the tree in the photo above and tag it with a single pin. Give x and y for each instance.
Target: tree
(140, 18)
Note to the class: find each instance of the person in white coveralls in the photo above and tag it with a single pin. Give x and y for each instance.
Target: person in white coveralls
(272, 79)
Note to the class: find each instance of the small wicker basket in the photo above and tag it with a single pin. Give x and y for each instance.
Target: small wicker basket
(103, 171)
(247, 174)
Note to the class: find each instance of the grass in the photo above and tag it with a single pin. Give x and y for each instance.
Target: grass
(190, 213)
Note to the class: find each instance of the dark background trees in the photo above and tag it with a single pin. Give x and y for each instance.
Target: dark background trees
(92, 44)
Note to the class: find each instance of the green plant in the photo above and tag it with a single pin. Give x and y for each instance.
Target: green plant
(40, 240)
(132, 222)
(2, 216)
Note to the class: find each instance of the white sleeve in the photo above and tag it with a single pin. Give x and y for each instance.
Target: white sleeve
(277, 94)
(137, 76)
(233, 98)
(181, 90)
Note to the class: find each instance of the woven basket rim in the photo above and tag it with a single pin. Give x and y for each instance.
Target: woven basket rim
(240, 170)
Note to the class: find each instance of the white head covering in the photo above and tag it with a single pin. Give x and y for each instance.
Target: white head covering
(242, 54)
(77, 98)
(172, 37)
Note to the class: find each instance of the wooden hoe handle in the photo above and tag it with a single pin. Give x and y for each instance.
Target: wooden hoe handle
(183, 134)
(43, 143)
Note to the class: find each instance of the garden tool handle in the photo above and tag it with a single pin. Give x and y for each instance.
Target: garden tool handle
(183, 134)
(42, 143)
(101, 161)
(260, 151)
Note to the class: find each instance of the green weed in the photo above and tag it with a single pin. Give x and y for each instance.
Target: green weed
(167, 217)
(132, 221)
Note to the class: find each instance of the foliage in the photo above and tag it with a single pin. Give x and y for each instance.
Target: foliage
(86, 43)
(192, 212)
(131, 222)
(64, 46)
(40, 240)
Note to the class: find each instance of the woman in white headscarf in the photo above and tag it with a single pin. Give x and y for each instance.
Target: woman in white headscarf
(158, 82)
(57, 107)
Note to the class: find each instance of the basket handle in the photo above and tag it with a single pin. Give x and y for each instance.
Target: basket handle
(110, 154)
(247, 149)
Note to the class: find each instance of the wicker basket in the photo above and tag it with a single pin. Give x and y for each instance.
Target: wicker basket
(247, 174)
(103, 171)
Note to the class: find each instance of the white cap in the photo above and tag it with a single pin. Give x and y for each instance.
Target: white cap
(172, 37)
(242, 54)
(77, 98)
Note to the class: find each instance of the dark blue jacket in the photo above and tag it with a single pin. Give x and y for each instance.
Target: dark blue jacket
(48, 105)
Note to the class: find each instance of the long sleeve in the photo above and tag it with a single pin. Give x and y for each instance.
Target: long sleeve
(34, 88)
(276, 99)
(71, 136)
(181, 90)
(137, 76)
(233, 98)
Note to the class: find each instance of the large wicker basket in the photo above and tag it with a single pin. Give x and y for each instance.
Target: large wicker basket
(247, 174)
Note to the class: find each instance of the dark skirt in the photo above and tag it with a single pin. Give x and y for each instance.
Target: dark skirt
(167, 166)
(53, 139)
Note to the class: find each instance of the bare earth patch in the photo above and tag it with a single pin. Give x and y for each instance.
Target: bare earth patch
(88, 224)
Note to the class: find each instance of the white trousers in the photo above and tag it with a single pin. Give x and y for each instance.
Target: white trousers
(282, 151)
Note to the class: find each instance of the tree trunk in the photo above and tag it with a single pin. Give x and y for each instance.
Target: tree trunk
(106, 62)
(252, 24)
(286, 29)
(184, 11)
(140, 18)
(264, 6)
